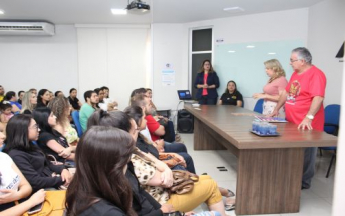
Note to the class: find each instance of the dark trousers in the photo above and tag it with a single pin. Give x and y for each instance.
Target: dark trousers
(309, 166)
(207, 101)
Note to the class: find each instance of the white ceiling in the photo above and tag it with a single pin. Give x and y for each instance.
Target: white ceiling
(162, 11)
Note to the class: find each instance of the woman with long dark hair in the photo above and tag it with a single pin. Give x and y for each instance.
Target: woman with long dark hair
(154, 179)
(51, 141)
(231, 95)
(21, 131)
(206, 83)
(43, 98)
(99, 186)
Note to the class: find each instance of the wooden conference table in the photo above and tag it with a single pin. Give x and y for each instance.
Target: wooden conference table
(269, 170)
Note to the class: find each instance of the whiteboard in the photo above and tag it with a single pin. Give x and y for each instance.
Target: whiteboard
(246, 65)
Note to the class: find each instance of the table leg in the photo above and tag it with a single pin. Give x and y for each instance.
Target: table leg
(269, 181)
(205, 138)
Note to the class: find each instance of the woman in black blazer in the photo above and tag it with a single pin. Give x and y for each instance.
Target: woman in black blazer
(207, 83)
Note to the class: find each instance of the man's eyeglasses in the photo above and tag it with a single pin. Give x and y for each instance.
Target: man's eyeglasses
(292, 61)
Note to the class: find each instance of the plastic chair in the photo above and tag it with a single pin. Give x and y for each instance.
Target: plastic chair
(75, 117)
(259, 106)
(332, 116)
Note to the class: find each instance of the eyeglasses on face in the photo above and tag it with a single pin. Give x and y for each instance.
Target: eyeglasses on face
(35, 126)
(292, 61)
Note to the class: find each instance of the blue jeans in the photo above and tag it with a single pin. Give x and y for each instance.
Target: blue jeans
(174, 147)
(308, 166)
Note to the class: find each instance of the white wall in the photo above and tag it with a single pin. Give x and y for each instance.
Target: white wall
(40, 62)
(114, 56)
(339, 188)
(326, 35)
(171, 43)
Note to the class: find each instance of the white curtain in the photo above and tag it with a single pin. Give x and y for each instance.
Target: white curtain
(113, 56)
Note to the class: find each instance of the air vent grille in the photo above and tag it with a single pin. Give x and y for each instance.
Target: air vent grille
(22, 28)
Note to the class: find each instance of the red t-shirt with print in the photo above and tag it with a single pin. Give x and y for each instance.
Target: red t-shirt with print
(152, 125)
(301, 89)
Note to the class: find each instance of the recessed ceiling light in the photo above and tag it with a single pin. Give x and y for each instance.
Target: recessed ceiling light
(2, 12)
(231, 51)
(250, 46)
(272, 53)
(118, 11)
(233, 9)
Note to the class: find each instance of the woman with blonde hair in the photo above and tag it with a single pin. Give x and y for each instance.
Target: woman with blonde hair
(274, 87)
(29, 102)
(61, 108)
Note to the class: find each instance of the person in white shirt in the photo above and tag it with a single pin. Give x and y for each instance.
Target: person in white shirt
(14, 186)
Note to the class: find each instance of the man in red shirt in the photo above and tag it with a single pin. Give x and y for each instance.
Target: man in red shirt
(303, 99)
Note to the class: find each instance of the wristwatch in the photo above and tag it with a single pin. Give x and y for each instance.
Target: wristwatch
(310, 117)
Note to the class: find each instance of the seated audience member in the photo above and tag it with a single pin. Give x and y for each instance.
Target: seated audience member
(100, 187)
(2, 93)
(51, 95)
(149, 94)
(61, 109)
(73, 100)
(6, 111)
(59, 93)
(29, 102)
(100, 94)
(173, 160)
(274, 87)
(106, 91)
(159, 177)
(11, 97)
(21, 130)
(33, 90)
(169, 130)
(43, 98)
(14, 187)
(20, 96)
(171, 136)
(2, 137)
(51, 141)
(231, 96)
(153, 127)
(91, 99)
(143, 203)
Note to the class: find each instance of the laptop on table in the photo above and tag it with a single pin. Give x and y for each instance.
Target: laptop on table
(186, 96)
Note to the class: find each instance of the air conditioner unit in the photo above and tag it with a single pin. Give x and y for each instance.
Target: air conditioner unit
(27, 28)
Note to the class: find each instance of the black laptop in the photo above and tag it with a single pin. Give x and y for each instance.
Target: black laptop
(185, 95)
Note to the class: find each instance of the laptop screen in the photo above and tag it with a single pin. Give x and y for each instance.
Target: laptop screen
(184, 95)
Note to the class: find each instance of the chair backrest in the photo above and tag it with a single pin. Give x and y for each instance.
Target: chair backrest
(75, 117)
(259, 106)
(332, 116)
